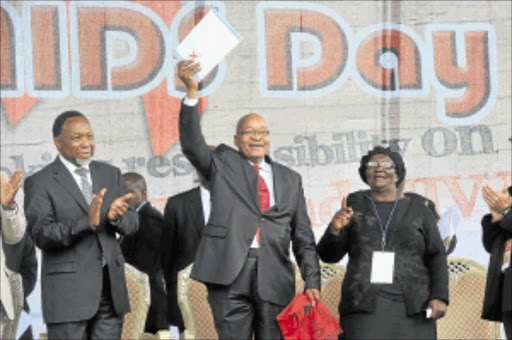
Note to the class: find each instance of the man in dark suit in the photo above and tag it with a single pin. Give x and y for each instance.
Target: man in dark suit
(74, 208)
(142, 250)
(258, 207)
(184, 219)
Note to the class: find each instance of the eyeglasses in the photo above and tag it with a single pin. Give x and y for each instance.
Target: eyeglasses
(385, 165)
(253, 133)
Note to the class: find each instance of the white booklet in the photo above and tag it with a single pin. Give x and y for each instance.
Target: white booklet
(208, 43)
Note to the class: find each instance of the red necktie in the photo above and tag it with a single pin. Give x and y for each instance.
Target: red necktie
(264, 197)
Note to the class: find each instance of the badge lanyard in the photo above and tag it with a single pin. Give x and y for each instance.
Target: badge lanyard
(383, 229)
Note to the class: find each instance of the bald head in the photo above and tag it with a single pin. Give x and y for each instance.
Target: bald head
(240, 124)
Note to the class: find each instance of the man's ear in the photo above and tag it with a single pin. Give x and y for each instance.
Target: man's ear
(58, 142)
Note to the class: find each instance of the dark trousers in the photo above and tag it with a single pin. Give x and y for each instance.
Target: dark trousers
(238, 310)
(105, 324)
(506, 317)
(388, 321)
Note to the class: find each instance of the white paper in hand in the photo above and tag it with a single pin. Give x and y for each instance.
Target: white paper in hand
(208, 43)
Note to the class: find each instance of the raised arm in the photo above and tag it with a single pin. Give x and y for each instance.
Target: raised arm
(191, 138)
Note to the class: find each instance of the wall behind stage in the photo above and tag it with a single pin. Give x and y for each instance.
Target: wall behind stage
(332, 78)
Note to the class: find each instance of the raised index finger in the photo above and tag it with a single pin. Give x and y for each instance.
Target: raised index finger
(344, 203)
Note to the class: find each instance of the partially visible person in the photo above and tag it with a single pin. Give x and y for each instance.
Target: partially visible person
(142, 250)
(185, 216)
(21, 258)
(75, 206)
(497, 240)
(13, 227)
(397, 267)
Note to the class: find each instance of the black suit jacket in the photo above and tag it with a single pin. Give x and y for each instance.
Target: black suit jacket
(57, 219)
(235, 217)
(142, 250)
(21, 258)
(498, 295)
(183, 224)
(420, 259)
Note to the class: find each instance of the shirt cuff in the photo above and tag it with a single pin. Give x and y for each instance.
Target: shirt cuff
(190, 102)
(9, 213)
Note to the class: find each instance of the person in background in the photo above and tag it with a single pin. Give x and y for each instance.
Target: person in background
(13, 227)
(258, 209)
(497, 240)
(142, 250)
(397, 267)
(75, 206)
(185, 216)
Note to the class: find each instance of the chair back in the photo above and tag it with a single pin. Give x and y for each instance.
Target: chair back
(463, 318)
(194, 306)
(9, 327)
(137, 284)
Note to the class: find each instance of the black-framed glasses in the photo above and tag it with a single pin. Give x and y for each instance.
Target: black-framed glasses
(384, 164)
(254, 133)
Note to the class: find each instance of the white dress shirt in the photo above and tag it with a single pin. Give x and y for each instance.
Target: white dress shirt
(72, 167)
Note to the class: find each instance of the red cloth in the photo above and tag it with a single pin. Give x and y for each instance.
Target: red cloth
(264, 197)
(301, 321)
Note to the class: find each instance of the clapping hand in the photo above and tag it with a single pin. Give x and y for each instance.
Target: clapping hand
(95, 209)
(496, 200)
(342, 217)
(119, 207)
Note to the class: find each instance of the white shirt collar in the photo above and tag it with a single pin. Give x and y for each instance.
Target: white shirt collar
(140, 206)
(264, 165)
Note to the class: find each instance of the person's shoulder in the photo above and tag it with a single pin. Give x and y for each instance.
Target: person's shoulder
(288, 171)
(104, 166)
(357, 196)
(39, 175)
(150, 211)
(185, 195)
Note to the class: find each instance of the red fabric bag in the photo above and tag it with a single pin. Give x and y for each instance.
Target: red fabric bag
(301, 321)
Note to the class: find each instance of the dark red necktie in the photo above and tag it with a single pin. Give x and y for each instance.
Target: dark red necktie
(264, 197)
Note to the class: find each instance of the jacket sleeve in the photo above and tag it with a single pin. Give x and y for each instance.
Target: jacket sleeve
(13, 227)
(46, 231)
(303, 243)
(192, 141)
(332, 248)
(436, 260)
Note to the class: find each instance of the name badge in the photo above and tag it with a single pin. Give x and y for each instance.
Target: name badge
(383, 264)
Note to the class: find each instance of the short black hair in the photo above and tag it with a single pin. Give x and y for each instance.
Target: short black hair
(395, 157)
(136, 179)
(58, 123)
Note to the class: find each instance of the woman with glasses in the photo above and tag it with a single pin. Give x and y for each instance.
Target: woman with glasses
(396, 283)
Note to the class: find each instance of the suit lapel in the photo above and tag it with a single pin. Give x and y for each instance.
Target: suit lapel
(279, 183)
(251, 177)
(62, 175)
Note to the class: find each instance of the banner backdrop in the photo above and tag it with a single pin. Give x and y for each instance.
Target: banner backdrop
(332, 78)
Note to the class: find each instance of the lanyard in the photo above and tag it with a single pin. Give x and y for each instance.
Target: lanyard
(383, 229)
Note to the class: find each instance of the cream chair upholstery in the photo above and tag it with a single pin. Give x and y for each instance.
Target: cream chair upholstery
(194, 306)
(467, 287)
(10, 326)
(137, 284)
